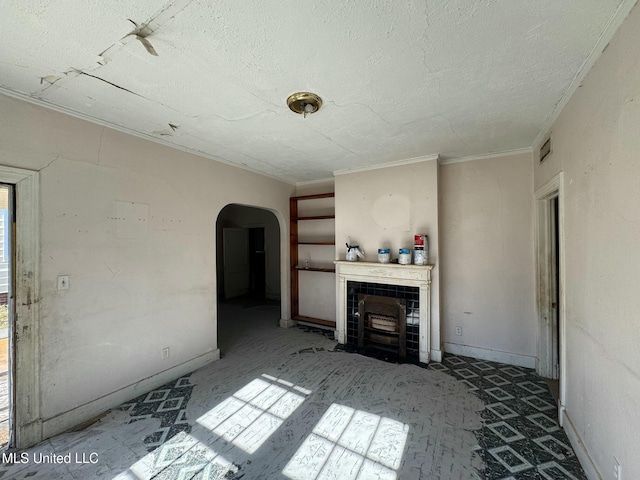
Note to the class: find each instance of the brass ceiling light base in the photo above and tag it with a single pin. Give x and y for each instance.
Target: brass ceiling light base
(304, 103)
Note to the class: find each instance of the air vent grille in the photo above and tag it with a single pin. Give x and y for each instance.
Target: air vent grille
(545, 149)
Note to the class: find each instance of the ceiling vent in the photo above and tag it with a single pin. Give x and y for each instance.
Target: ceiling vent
(545, 149)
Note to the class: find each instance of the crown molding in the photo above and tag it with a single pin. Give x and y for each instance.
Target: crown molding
(485, 156)
(603, 41)
(82, 116)
(409, 161)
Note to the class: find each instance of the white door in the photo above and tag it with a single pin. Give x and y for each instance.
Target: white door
(236, 261)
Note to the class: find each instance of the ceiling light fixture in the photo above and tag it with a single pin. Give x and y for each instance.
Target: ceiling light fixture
(304, 103)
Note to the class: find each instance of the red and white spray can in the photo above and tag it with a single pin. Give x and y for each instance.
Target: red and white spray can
(420, 249)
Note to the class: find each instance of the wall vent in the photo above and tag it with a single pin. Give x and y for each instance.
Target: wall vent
(545, 149)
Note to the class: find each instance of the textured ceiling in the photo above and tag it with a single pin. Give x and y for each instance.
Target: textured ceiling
(399, 80)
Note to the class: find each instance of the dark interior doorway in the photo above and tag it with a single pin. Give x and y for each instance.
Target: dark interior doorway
(248, 255)
(257, 263)
(248, 273)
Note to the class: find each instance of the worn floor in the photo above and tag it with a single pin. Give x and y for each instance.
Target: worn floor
(520, 438)
(281, 404)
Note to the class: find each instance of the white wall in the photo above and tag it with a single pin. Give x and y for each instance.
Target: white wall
(247, 217)
(596, 142)
(386, 207)
(487, 273)
(133, 224)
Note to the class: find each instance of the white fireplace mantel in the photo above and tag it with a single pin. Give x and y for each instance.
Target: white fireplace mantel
(390, 274)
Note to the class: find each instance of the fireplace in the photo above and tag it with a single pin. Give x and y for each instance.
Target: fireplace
(411, 283)
(382, 324)
(386, 307)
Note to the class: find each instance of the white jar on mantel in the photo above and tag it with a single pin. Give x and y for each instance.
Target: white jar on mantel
(384, 255)
(404, 256)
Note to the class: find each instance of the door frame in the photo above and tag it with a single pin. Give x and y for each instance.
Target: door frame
(554, 188)
(26, 422)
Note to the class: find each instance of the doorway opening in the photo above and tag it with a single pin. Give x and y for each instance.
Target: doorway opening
(248, 268)
(257, 263)
(550, 287)
(6, 315)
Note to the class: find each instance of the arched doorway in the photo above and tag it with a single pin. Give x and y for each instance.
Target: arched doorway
(248, 258)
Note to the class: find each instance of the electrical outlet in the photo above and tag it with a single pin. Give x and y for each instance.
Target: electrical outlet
(617, 469)
(458, 330)
(63, 282)
(166, 353)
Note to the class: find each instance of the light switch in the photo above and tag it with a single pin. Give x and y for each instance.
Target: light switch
(63, 282)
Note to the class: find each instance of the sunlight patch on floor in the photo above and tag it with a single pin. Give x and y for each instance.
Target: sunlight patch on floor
(246, 419)
(183, 453)
(252, 414)
(350, 444)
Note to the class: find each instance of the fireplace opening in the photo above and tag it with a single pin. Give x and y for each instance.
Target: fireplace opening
(389, 351)
(382, 324)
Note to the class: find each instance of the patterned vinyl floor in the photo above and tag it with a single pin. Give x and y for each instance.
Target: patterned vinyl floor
(283, 404)
(520, 438)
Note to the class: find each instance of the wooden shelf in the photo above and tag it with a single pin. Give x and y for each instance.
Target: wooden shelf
(316, 269)
(316, 217)
(315, 321)
(312, 197)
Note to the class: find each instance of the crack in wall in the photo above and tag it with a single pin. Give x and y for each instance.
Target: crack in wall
(100, 145)
(501, 213)
(57, 157)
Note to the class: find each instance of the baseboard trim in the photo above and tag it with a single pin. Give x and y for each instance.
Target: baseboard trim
(491, 355)
(436, 356)
(579, 448)
(287, 323)
(28, 435)
(64, 421)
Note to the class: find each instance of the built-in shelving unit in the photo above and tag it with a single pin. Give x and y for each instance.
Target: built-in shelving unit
(316, 269)
(295, 260)
(315, 243)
